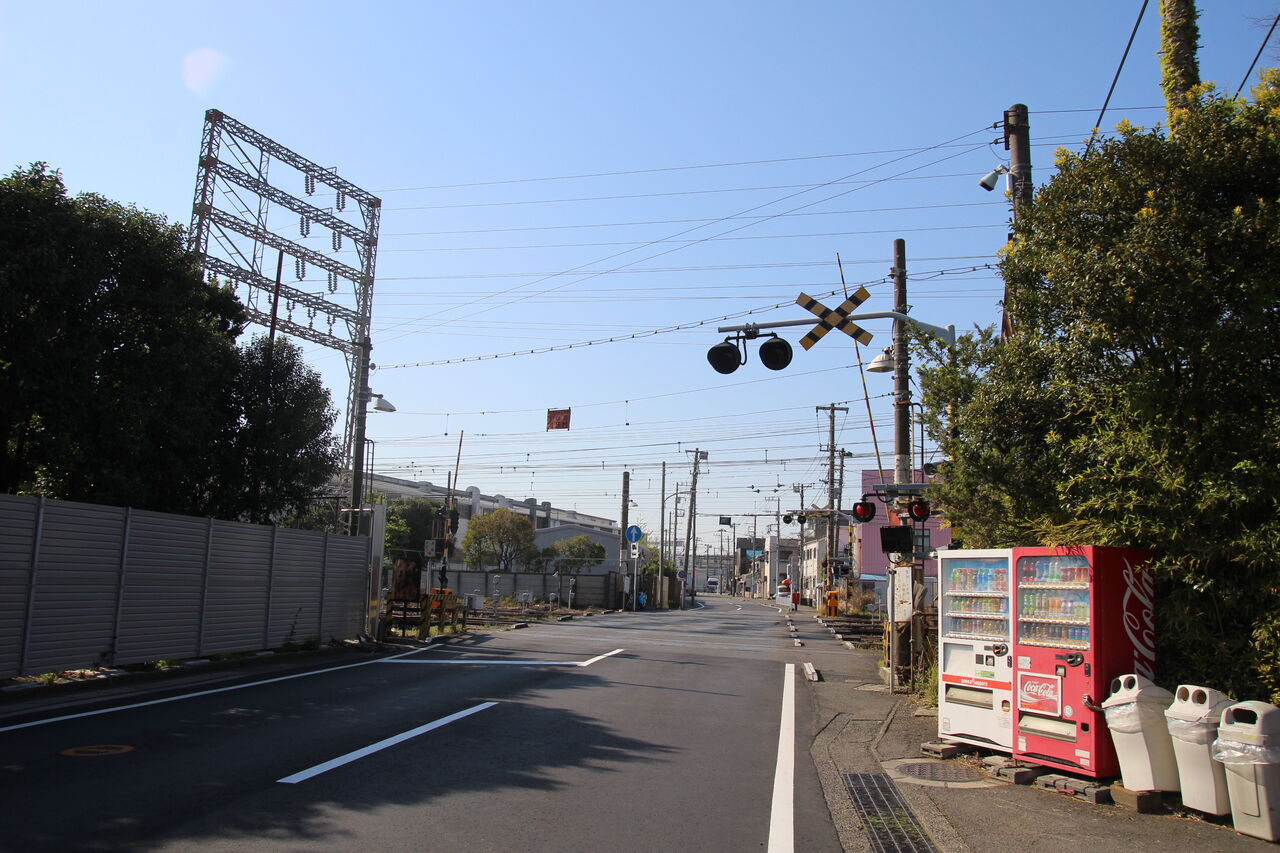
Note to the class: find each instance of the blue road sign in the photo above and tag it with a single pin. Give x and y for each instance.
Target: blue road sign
(634, 533)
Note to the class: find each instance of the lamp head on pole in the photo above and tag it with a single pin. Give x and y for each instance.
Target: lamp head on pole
(883, 363)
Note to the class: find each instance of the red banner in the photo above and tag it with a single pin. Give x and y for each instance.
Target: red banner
(558, 418)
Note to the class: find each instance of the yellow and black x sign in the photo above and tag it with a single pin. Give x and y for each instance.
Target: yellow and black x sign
(837, 319)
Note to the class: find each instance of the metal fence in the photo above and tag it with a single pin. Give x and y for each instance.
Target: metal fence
(600, 590)
(84, 585)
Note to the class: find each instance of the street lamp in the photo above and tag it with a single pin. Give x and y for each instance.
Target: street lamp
(357, 460)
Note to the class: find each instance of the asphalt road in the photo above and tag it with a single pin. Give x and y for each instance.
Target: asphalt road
(671, 731)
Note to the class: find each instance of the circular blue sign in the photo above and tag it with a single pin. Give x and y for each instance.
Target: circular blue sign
(682, 574)
(634, 533)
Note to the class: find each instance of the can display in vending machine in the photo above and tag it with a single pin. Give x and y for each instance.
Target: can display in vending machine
(1082, 615)
(975, 703)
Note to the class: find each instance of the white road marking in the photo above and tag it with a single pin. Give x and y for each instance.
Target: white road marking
(600, 657)
(504, 661)
(782, 815)
(207, 692)
(310, 772)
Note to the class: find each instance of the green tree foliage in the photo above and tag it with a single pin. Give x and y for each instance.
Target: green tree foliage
(114, 351)
(1139, 403)
(413, 521)
(279, 451)
(120, 379)
(574, 554)
(500, 539)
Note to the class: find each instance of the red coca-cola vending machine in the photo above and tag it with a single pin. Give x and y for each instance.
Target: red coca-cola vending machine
(1083, 615)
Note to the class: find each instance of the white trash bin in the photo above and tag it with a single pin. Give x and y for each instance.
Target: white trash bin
(1193, 724)
(1249, 745)
(1135, 716)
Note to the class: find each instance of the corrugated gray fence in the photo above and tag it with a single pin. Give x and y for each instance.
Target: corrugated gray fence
(84, 585)
(602, 590)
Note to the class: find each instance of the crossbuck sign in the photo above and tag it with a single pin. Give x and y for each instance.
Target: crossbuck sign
(837, 319)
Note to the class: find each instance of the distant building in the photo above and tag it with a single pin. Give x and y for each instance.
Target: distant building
(549, 523)
(872, 562)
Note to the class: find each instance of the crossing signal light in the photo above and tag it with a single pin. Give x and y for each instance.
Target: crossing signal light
(725, 357)
(775, 353)
(864, 511)
(918, 509)
(786, 519)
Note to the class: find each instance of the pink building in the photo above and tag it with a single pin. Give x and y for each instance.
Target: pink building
(872, 562)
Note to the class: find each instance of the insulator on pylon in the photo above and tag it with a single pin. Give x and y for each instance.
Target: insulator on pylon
(333, 282)
(342, 200)
(337, 242)
(300, 268)
(310, 184)
(304, 226)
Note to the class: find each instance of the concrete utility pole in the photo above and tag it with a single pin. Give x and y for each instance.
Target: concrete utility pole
(690, 540)
(622, 533)
(1017, 141)
(623, 548)
(660, 592)
(901, 369)
(833, 542)
(902, 422)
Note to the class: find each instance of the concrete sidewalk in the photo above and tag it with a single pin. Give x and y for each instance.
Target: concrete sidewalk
(867, 738)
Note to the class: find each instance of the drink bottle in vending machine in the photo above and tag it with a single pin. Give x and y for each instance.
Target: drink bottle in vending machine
(975, 700)
(1082, 615)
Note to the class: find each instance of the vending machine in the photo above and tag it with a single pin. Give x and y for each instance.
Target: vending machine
(1083, 615)
(975, 659)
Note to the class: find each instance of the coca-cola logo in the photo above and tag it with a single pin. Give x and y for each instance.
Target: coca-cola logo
(1039, 690)
(1139, 618)
(1039, 693)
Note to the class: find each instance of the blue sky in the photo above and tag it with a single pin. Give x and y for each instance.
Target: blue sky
(513, 142)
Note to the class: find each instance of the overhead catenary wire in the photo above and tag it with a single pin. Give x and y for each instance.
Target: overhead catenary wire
(582, 268)
(1098, 123)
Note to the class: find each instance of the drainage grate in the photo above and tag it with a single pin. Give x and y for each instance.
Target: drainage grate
(891, 827)
(940, 771)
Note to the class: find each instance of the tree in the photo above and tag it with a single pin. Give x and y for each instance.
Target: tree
(574, 554)
(500, 538)
(1139, 403)
(114, 351)
(415, 521)
(278, 451)
(120, 379)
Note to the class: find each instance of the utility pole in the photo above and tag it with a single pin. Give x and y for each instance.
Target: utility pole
(1017, 141)
(833, 541)
(902, 435)
(690, 540)
(660, 590)
(622, 532)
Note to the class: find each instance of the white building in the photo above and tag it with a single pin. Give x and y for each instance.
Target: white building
(549, 523)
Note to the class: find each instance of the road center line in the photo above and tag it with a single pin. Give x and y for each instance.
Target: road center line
(782, 815)
(303, 775)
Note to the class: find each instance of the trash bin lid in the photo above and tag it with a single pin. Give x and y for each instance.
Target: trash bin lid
(1134, 688)
(1194, 704)
(1251, 722)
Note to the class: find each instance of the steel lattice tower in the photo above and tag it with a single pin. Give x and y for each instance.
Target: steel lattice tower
(233, 175)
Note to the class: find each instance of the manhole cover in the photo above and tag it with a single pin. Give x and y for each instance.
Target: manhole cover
(940, 771)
